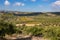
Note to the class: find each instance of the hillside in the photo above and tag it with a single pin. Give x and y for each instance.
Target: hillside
(30, 17)
(37, 24)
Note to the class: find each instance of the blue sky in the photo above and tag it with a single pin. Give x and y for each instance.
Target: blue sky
(30, 5)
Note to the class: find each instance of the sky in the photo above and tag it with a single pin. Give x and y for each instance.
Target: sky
(30, 5)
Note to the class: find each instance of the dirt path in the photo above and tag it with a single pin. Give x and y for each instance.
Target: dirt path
(25, 38)
(38, 38)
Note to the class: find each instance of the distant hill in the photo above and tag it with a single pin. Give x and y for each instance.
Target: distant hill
(37, 13)
(57, 13)
(30, 13)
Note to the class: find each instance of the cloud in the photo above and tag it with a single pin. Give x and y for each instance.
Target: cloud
(56, 3)
(7, 2)
(33, 0)
(19, 4)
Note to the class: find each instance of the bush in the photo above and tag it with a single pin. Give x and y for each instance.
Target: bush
(52, 32)
(6, 28)
(33, 30)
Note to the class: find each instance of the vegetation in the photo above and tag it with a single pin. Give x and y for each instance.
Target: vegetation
(49, 25)
(6, 28)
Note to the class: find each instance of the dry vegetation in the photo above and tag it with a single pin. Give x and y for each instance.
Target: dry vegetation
(41, 26)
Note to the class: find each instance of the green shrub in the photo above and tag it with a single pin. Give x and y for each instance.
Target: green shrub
(33, 30)
(52, 32)
(6, 28)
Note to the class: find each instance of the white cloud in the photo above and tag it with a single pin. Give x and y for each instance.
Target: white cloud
(56, 3)
(7, 2)
(23, 4)
(19, 4)
(33, 0)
